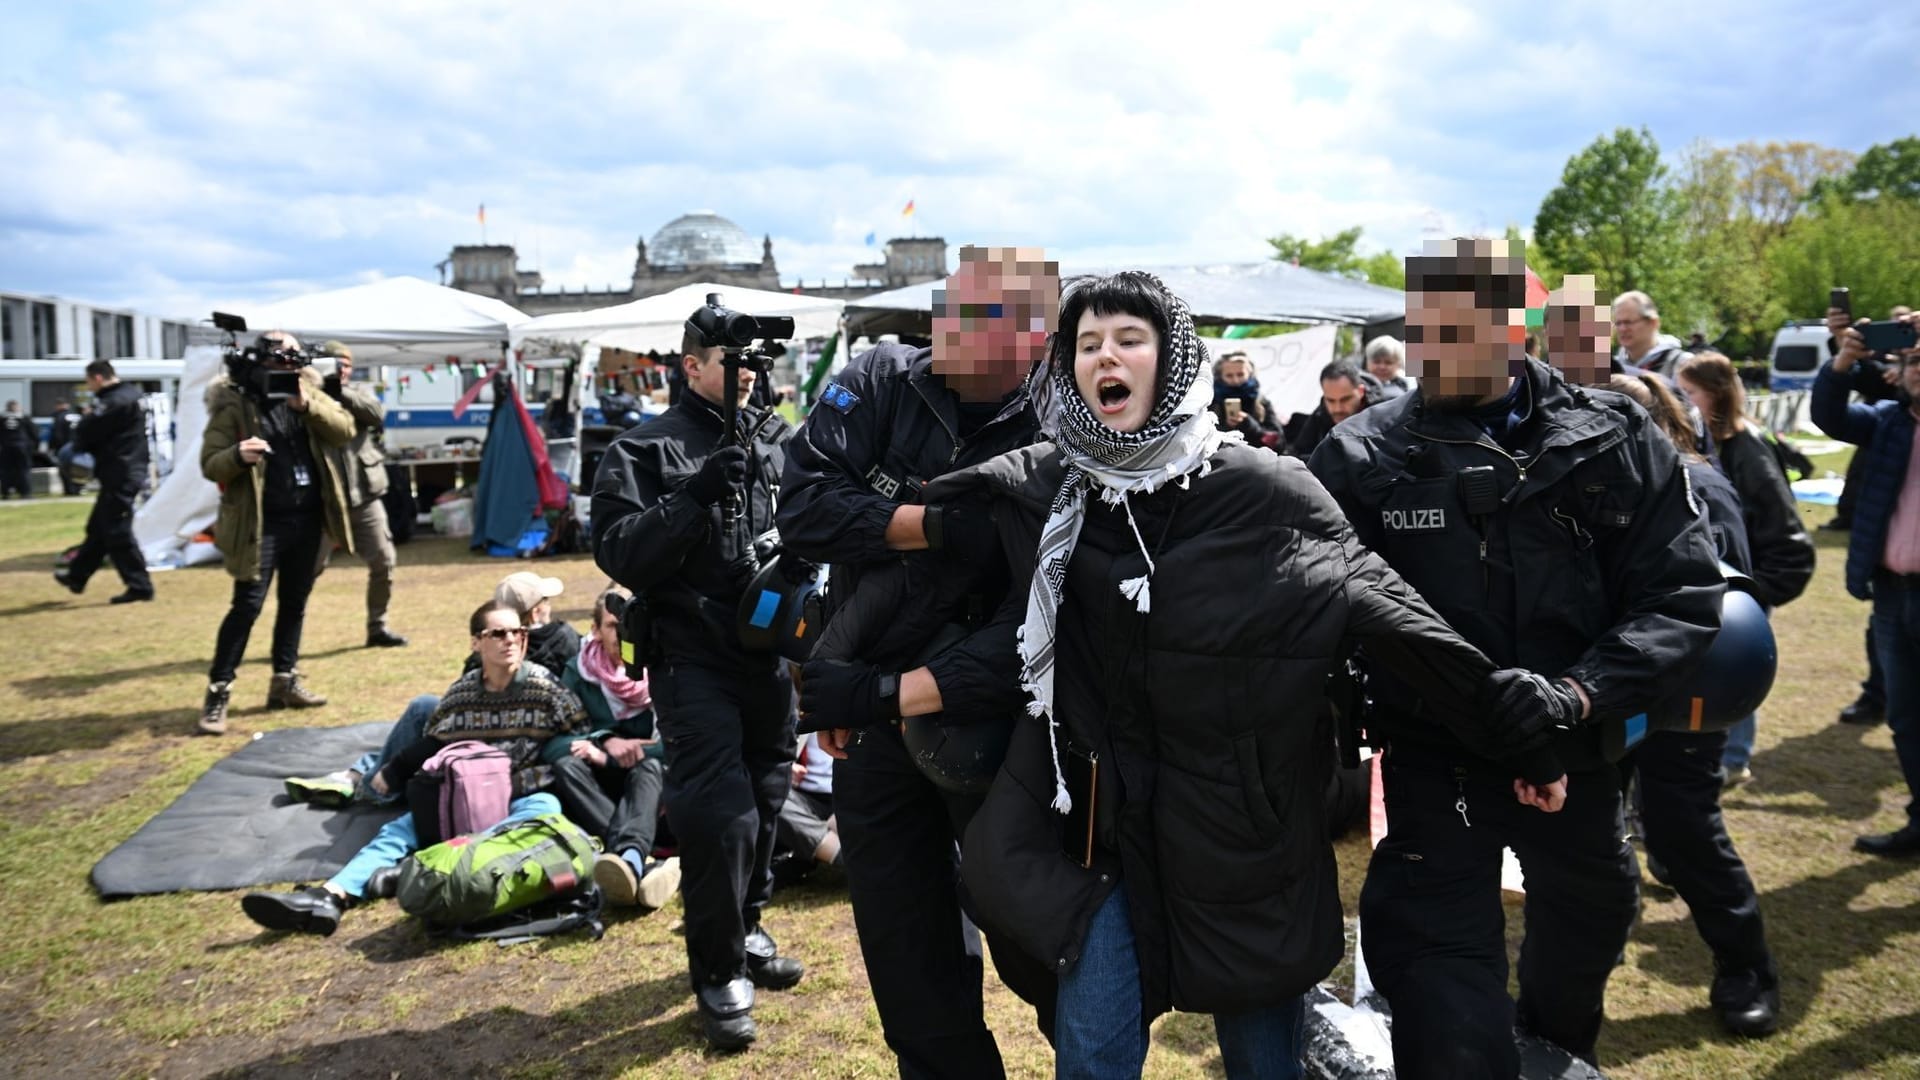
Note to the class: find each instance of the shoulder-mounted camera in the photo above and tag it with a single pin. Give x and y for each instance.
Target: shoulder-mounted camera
(269, 369)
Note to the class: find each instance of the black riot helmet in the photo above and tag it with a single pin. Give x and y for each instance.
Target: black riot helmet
(780, 612)
(961, 758)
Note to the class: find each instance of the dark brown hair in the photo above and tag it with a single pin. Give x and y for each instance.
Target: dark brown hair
(1714, 374)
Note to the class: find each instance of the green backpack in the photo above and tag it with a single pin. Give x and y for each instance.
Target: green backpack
(470, 879)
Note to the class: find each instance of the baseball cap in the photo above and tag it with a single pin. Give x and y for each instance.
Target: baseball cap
(525, 589)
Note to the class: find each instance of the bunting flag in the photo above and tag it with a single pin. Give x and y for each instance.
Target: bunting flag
(908, 211)
(870, 236)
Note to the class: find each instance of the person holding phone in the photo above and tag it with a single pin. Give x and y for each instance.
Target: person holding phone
(269, 430)
(1156, 833)
(1237, 402)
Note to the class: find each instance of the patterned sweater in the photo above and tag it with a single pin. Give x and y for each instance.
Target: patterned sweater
(521, 719)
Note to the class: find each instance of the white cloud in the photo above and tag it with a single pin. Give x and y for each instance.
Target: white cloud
(226, 149)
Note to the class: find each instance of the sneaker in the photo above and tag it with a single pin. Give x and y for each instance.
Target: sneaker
(213, 708)
(616, 879)
(288, 692)
(333, 791)
(1738, 775)
(384, 638)
(659, 883)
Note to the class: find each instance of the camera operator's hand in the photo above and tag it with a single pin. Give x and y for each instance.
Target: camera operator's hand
(962, 529)
(842, 695)
(724, 472)
(252, 449)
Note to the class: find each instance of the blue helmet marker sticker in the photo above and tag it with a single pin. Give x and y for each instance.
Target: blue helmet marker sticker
(764, 611)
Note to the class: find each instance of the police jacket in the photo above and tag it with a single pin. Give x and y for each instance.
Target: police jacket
(115, 433)
(18, 434)
(654, 538)
(1593, 562)
(885, 427)
(1782, 551)
(1206, 713)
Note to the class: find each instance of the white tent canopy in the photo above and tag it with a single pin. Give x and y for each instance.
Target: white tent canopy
(399, 320)
(654, 324)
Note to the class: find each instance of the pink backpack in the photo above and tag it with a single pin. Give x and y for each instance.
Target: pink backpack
(466, 787)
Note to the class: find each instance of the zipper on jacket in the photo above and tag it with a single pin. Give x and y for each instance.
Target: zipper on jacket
(1580, 535)
(1460, 804)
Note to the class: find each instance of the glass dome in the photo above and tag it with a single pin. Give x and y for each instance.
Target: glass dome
(701, 238)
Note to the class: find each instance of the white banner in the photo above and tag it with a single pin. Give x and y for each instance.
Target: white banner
(1288, 366)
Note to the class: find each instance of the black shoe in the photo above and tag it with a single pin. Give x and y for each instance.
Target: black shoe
(1904, 842)
(1864, 710)
(384, 639)
(77, 588)
(1838, 525)
(1747, 1002)
(312, 910)
(768, 969)
(726, 1013)
(384, 884)
(132, 596)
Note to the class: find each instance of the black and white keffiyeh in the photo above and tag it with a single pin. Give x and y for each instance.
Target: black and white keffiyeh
(1179, 437)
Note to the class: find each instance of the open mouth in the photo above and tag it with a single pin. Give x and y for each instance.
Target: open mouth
(1113, 394)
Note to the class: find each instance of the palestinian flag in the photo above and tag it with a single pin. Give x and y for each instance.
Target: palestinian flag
(1536, 300)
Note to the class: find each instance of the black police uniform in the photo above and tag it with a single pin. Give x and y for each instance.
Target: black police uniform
(1580, 554)
(886, 426)
(18, 440)
(115, 433)
(725, 715)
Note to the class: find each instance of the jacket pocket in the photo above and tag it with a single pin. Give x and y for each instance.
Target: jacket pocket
(1253, 790)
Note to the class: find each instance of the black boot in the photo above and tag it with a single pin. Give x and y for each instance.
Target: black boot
(768, 969)
(1747, 1002)
(309, 910)
(1865, 710)
(1900, 843)
(726, 1012)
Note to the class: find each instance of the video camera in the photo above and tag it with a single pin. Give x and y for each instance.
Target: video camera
(250, 367)
(736, 332)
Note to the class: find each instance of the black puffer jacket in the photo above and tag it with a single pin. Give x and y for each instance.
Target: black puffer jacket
(1783, 553)
(1207, 714)
(116, 435)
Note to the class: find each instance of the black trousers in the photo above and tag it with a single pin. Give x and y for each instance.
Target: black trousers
(16, 474)
(110, 536)
(289, 547)
(899, 845)
(1680, 781)
(729, 742)
(1433, 930)
(621, 806)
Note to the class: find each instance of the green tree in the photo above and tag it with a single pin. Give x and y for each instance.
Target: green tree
(1385, 268)
(1615, 216)
(1333, 255)
(1889, 169)
(1869, 247)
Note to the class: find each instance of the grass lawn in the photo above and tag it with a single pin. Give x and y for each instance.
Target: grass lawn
(96, 717)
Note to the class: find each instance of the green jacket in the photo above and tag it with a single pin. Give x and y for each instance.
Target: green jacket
(361, 463)
(231, 417)
(599, 718)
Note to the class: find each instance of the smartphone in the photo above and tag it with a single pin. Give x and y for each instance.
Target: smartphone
(1082, 772)
(1841, 298)
(1232, 406)
(283, 384)
(1886, 337)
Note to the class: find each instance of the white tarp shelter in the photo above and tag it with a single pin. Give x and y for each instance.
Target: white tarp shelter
(654, 324)
(399, 320)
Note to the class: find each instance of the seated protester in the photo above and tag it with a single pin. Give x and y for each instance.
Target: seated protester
(609, 778)
(806, 836)
(552, 645)
(1237, 404)
(508, 702)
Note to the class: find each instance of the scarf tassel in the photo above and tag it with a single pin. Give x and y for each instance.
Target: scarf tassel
(1137, 590)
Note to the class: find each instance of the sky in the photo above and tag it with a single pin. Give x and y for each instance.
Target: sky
(172, 157)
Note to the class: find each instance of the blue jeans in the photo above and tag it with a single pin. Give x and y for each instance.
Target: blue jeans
(397, 839)
(1098, 1034)
(1740, 737)
(1896, 637)
(407, 730)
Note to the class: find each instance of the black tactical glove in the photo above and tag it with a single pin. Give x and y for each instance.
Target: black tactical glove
(961, 529)
(1534, 707)
(837, 694)
(724, 472)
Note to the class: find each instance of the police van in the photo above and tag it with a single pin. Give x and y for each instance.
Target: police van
(1799, 349)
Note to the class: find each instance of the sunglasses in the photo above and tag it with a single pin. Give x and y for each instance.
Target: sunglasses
(502, 633)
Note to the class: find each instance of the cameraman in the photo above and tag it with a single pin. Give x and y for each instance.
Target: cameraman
(362, 468)
(269, 429)
(894, 419)
(677, 508)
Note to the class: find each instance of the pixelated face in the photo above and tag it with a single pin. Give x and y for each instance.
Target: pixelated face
(1460, 352)
(1384, 366)
(1579, 332)
(1700, 398)
(991, 319)
(707, 376)
(1636, 331)
(1236, 372)
(1115, 358)
(1342, 397)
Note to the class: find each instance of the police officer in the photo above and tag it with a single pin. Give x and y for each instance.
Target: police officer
(1552, 526)
(678, 508)
(894, 419)
(115, 433)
